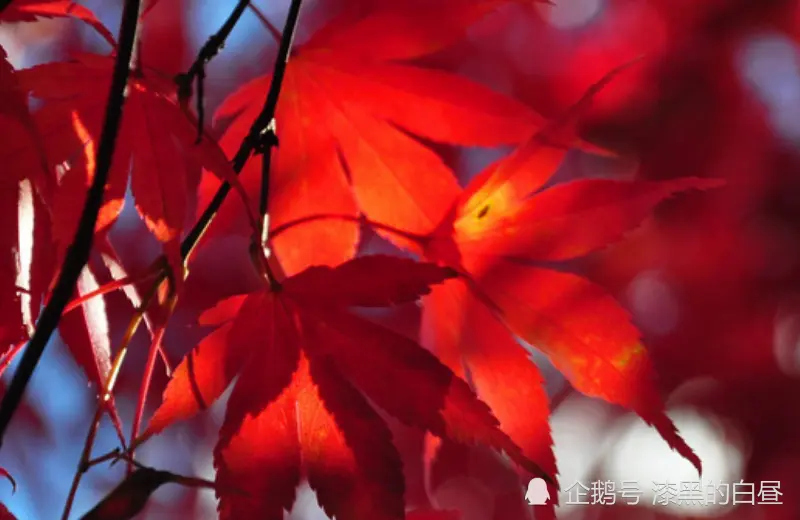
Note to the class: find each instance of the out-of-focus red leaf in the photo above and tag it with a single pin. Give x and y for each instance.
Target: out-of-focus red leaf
(5, 514)
(29, 10)
(346, 107)
(433, 514)
(319, 415)
(397, 32)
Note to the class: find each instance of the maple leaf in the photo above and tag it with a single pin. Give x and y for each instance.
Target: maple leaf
(299, 408)
(5, 514)
(346, 111)
(30, 10)
(501, 219)
(156, 143)
(433, 514)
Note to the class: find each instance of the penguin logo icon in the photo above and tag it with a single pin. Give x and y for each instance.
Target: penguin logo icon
(537, 494)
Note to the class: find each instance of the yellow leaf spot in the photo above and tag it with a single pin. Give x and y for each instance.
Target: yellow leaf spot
(482, 212)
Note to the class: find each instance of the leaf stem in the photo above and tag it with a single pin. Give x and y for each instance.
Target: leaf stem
(113, 455)
(86, 463)
(78, 253)
(147, 376)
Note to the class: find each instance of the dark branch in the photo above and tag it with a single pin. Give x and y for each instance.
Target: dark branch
(4, 4)
(78, 253)
(260, 134)
(198, 69)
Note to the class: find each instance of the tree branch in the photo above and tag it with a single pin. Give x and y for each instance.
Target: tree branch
(78, 253)
(4, 4)
(261, 132)
(198, 69)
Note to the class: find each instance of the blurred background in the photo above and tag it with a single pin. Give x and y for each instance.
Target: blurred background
(712, 280)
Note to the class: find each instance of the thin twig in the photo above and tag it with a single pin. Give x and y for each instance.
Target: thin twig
(112, 455)
(78, 253)
(273, 31)
(4, 4)
(85, 463)
(198, 69)
(86, 454)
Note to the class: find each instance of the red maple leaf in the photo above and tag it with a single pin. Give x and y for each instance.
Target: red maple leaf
(299, 408)
(504, 220)
(348, 109)
(156, 144)
(30, 10)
